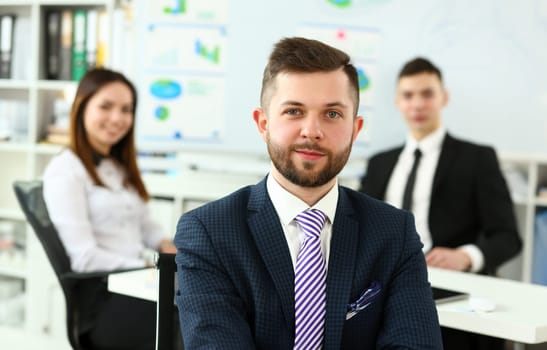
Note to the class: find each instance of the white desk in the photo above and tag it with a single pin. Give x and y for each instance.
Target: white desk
(139, 283)
(520, 314)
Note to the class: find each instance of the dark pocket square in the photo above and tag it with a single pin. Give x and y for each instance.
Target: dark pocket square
(364, 300)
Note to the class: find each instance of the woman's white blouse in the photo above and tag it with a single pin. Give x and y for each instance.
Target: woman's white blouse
(102, 228)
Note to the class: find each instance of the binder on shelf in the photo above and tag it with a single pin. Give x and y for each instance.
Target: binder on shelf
(79, 45)
(22, 60)
(65, 72)
(6, 45)
(53, 44)
(91, 38)
(102, 39)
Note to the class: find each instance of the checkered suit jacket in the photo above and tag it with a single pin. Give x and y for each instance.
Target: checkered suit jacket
(236, 277)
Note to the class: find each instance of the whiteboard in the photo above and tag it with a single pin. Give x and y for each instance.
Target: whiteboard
(207, 57)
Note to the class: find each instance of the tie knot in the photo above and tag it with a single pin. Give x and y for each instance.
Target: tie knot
(417, 153)
(311, 222)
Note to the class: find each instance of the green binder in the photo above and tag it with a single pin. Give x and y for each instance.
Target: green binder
(78, 45)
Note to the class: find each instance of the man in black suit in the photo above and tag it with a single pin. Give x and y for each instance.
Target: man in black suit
(463, 210)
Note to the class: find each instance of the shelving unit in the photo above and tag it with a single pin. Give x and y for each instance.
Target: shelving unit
(524, 174)
(24, 157)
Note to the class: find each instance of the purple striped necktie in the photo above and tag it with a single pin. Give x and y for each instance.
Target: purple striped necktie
(310, 287)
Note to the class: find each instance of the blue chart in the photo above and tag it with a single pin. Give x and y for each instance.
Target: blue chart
(162, 90)
(185, 11)
(184, 107)
(340, 3)
(178, 8)
(364, 80)
(165, 89)
(197, 49)
(161, 113)
(184, 60)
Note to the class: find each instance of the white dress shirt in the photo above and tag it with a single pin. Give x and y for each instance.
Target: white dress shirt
(288, 206)
(430, 147)
(102, 228)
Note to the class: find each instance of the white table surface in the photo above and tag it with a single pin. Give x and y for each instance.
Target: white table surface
(521, 308)
(520, 314)
(139, 283)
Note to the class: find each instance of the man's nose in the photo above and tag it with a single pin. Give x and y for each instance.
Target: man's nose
(418, 102)
(312, 127)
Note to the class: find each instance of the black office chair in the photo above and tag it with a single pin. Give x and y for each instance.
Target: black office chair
(29, 195)
(165, 326)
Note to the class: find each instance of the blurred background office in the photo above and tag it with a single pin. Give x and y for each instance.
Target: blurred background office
(197, 65)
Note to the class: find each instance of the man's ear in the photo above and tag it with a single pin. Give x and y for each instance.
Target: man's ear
(446, 97)
(358, 125)
(261, 121)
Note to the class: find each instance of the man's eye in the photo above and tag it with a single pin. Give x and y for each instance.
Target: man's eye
(293, 111)
(333, 114)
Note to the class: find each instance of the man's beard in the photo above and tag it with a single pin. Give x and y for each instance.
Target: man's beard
(281, 158)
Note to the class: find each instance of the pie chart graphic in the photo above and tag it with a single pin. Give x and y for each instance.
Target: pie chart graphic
(364, 81)
(161, 113)
(165, 89)
(340, 3)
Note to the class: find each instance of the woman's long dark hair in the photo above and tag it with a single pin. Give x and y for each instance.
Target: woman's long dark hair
(124, 151)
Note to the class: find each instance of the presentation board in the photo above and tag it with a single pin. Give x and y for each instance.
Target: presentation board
(200, 63)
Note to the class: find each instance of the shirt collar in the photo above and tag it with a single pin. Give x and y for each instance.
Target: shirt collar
(428, 144)
(288, 206)
(97, 158)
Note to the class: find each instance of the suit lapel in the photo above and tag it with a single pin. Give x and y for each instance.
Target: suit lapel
(272, 246)
(343, 252)
(387, 169)
(448, 151)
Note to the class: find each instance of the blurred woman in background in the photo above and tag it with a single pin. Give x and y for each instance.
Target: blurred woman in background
(98, 203)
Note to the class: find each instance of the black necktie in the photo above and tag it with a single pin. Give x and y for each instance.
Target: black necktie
(409, 188)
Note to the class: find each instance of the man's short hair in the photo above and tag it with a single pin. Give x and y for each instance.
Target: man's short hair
(306, 56)
(419, 65)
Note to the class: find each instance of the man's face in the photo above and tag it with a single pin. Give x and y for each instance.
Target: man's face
(420, 99)
(309, 126)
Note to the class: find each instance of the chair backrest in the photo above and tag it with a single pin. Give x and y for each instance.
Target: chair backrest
(30, 197)
(165, 326)
(29, 194)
